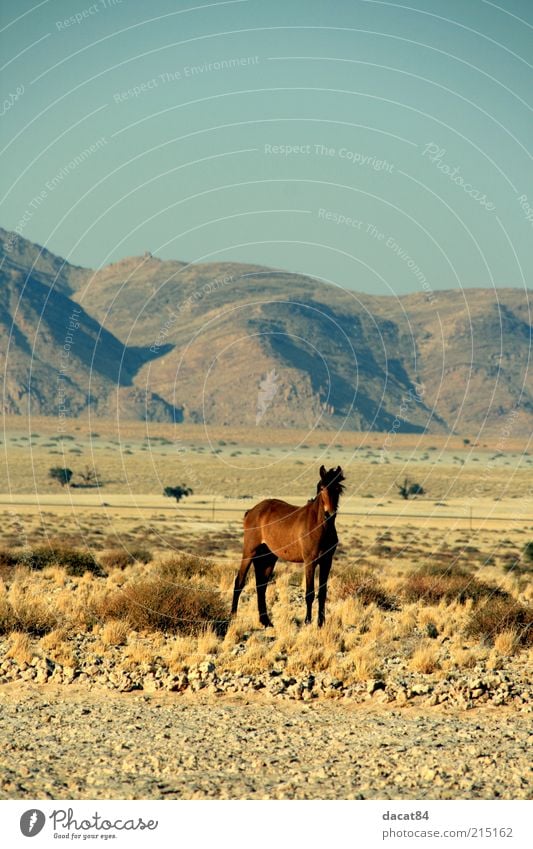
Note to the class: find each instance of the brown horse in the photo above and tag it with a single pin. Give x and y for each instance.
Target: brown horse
(305, 534)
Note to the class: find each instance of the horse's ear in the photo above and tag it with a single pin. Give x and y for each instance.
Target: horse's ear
(322, 471)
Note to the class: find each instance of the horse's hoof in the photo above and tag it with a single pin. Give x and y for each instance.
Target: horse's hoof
(266, 623)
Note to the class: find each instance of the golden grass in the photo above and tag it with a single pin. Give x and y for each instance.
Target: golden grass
(56, 645)
(462, 658)
(425, 658)
(25, 607)
(133, 612)
(19, 647)
(208, 642)
(182, 653)
(364, 663)
(138, 654)
(115, 632)
(507, 642)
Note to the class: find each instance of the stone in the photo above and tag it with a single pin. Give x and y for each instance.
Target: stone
(150, 683)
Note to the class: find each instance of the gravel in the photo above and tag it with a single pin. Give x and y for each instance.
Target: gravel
(461, 688)
(80, 742)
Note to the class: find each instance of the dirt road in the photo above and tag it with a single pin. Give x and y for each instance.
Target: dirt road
(67, 743)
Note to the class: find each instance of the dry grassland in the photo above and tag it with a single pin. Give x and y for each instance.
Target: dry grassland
(424, 588)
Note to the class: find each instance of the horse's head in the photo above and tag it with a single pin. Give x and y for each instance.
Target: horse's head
(330, 488)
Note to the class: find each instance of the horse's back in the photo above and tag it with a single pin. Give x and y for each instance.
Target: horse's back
(266, 508)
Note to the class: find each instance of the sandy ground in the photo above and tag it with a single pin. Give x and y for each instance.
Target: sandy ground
(102, 745)
(457, 512)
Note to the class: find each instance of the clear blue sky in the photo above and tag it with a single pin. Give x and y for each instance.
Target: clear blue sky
(412, 125)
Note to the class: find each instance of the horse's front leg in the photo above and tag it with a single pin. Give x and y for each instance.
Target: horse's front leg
(325, 566)
(309, 589)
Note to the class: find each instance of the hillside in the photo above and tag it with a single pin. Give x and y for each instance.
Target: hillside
(55, 358)
(241, 345)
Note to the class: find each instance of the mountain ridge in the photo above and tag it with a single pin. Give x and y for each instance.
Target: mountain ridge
(176, 341)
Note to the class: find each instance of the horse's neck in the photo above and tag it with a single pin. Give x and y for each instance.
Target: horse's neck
(319, 511)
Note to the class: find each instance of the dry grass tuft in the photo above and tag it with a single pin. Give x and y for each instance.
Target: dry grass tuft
(425, 658)
(138, 653)
(208, 642)
(53, 640)
(19, 647)
(115, 633)
(507, 643)
(25, 608)
(55, 645)
(183, 654)
(364, 663)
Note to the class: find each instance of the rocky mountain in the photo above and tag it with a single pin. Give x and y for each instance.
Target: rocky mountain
(55, 358)
(235, 344)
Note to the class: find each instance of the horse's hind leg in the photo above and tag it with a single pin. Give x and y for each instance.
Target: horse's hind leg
(264, 562)
(240, 580)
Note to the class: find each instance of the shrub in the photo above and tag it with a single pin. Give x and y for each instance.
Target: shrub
(27, 613)
(90, 476)
(154, 605)
(407, 488)
(528, 552)
(74, 560)
(61, 475)
(361, 584)
(8, 561)
(498, 615)
(437, 582)
(120, 558)
(183, 567)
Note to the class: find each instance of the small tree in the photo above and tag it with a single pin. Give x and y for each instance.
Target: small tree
(89, 476)
(61, 475)
(407, 489)
(177, 492)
